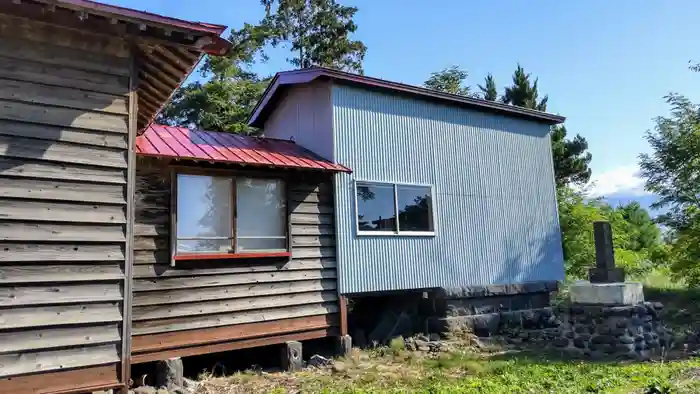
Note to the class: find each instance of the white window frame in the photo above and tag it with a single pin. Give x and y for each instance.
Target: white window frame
(398, 232)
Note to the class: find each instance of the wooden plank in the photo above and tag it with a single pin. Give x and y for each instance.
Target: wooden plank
(63, 56)
(52, 360)
(63, 134)
(314, 208)
(35, 252)
(151, 243)
(88, 272)
(28, 148)
(125, 352)
(230, 292)
(22, 231)
(311, 197)
(62, 77)
(65, 117)
(62, 191)
(75, 380)
(306, 218)
(310, 187)
(230, 279)
(228, 346)
(80, 40)
(312, 240)
(63, 172)
(163, 270)
(60, 315)
(61, 294)
(312, 252)
(227, 319)
(48, 338)
(313, 230)
(152, 312)
(149, 230)
(151, 257)
(34, 93)
(159, 342)
(11, 209)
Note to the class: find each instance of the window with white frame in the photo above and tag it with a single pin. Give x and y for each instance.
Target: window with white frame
(389, 208)
(225, 215)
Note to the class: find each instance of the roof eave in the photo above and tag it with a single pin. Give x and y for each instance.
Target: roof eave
(258, 117)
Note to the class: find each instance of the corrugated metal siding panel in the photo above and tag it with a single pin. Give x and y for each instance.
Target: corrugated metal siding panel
(495, 199)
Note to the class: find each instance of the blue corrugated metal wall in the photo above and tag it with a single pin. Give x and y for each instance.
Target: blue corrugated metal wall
(494, 194)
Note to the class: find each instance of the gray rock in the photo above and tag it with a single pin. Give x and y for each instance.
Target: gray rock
(624, 348)
(169, 373)
(561, 342)
(579, 343)
(163, 391)
(145, 390)
(424, 348)
(434, 336)
(318, 361)
(602, 339)
(626, 340)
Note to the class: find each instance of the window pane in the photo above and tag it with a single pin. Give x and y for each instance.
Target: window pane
(375, 207)
(260, 212)
(204, 245)
(262, 244)
(203, 210)
(415, 208)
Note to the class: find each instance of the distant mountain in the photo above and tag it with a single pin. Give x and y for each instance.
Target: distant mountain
(645, 201)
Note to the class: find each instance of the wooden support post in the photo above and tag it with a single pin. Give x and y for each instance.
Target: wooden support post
(343, 315)
(292, 356)
(343, 345)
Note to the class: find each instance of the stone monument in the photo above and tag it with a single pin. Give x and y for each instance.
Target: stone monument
(608, 316)
(607, 284)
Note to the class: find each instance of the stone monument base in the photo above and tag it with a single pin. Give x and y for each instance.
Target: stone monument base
(627, 293)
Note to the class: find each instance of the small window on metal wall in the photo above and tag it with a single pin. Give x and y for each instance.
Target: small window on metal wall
(394, 209)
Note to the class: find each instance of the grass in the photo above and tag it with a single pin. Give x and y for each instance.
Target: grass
(393, 369)
(463, 371)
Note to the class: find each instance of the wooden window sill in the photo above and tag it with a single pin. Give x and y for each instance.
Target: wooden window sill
(221, 256)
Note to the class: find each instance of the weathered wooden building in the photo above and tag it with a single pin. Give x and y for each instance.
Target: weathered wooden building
(77, 80)
(234, 244)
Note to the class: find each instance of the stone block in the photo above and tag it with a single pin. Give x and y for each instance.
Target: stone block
(343, 345)
(628, 293)
(292, 356)
(169, 373)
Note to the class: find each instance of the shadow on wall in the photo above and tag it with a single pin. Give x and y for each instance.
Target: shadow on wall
(405, 107)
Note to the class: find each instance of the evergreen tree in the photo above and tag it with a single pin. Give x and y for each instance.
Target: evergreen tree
(523, 93)
(571, 158)
(317, 32)
(488, 90)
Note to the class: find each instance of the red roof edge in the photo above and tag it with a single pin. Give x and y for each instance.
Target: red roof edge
(216, 147)
(144, 16)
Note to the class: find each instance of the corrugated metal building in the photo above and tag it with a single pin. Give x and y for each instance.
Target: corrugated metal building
(487, 166)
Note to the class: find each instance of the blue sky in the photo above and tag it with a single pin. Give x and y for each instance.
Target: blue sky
(604, 64)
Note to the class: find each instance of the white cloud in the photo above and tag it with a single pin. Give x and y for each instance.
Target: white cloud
(622, 180)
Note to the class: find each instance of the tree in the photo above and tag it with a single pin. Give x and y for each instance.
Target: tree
(449, 80)
(523, 93)
(570, 157)
(672, 172)
(488, 90)
(317, 32)
(225, 100)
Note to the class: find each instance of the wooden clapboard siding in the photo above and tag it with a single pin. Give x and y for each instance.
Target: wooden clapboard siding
(207, 303)
(64, 148)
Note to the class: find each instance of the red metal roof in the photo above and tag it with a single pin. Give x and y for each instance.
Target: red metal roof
(184, 143)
